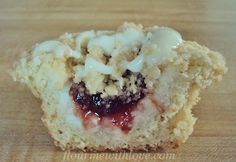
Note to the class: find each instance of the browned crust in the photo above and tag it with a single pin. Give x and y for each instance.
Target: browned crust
(147, 148)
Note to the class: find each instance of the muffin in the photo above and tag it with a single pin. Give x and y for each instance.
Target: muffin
(131, 89)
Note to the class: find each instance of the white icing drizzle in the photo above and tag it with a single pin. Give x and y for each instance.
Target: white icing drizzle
(166, 38)
(83, 38)
(162, 40)
(114, 44)
(107, 43)
(136, 64)
(93, 65)
(58, 48)
(51, 46)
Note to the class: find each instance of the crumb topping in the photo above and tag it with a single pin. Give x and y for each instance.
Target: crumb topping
(101, 58)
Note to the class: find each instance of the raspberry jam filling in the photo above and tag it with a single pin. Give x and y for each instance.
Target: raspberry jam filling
(113, 111)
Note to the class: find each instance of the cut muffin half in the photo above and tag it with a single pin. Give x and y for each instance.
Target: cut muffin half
(130, 89)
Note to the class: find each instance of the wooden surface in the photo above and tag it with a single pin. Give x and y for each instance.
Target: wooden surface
(23, 23)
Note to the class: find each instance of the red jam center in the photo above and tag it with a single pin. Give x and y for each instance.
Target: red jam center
(114, 111)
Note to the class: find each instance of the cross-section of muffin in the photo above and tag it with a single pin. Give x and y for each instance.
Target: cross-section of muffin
(130, 89)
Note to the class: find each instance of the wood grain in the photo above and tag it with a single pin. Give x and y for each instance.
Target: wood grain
(23, 23)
